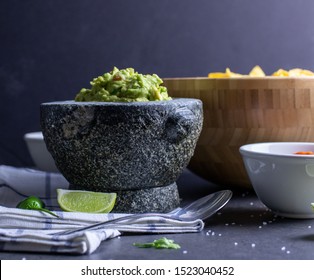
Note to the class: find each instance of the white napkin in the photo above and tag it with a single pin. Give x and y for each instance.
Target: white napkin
(18, 183)
(30, 230)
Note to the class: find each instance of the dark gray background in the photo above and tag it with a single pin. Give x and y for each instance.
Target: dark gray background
(50, 49)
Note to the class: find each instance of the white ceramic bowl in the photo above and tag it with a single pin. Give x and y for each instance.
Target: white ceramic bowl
(283, 180)
(39, 153)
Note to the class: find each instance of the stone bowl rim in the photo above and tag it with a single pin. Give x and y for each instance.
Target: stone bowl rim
(127, 104)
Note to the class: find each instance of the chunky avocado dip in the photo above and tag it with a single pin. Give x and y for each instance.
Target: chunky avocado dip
(124, 85)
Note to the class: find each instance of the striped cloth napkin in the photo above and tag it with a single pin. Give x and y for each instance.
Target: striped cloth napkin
(19, 183)
(29, 230)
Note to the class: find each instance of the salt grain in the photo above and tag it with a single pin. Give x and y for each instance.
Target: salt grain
(309, 227)
(235, 243)
(253, 245)
(185, 252)
(283, 248)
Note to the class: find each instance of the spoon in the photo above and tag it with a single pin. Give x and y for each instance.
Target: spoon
(202, 209)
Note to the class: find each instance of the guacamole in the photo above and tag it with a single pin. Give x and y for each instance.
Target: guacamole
(124, 85)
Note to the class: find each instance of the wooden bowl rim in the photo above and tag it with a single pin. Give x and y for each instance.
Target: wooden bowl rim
(242, 78)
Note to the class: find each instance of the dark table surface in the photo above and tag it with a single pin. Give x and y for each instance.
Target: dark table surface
(243, 230)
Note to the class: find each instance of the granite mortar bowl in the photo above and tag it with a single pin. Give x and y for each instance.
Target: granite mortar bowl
(136, 149)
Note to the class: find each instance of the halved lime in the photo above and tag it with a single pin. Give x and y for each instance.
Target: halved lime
(86, 201)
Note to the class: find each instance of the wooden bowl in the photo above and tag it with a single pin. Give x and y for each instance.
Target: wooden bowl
(245, 110)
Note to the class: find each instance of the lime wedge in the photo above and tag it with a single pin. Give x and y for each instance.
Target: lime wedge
(312, 205)
(85, 201)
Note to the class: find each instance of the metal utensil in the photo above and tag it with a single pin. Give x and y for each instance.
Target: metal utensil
(202, 209)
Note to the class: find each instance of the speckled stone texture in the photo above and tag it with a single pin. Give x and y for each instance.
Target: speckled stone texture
(158, 199)
(123, 147)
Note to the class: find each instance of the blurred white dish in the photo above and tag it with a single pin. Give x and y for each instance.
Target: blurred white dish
(39, 153)
(283, 180)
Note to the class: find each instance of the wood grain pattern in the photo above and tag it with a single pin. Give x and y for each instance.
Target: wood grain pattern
(239, 111)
